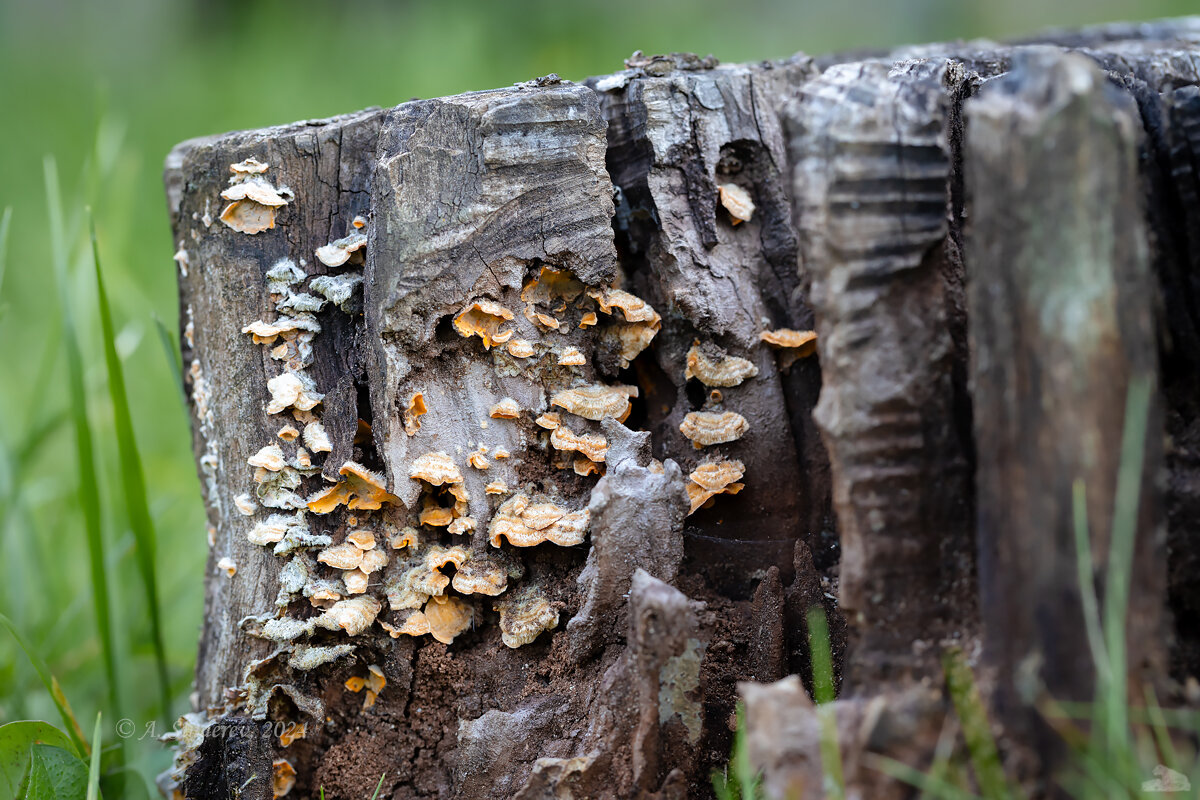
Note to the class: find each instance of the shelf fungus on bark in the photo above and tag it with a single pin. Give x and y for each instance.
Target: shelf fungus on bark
(592, 445)
(526, 524)
(712, 478)
(524, 614)
(263, 332)
(506, 408)
(706, 428)
(283, 777)
(804, 343)
(551, 286)
(436, 469)
(736, 201)
(292, 390)
(478, 459)
(588, 319)
(253, 201)
(341, 556)
(353, 615)
(413, 622)
(520, 348)
(412, 414)
(288, 433)
(228, 566)
(486, 574)
(596, 401)
(359, 489)
(716, 368)
(550, 420)
(405, 537)
(483, 318)
(292, 732)
(423, 578)
(448, 617)
(269, 458)
(496, 487)
(245, 505)
(316, 439)
(337, 289)
(571, 357)
(339, 251)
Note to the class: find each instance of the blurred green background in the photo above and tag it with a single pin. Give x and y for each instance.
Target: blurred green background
(107, 88)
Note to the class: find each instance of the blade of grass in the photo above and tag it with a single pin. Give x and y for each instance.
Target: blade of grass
(378, 787)
(132, 478)
(174, 360)
(51, 683)
(89, 489)
(1120, 560)
(977, 731)
(93, 786)
(1162, 736)
(4, 222)
(934, 787)
(821, 653)
(1087, 585)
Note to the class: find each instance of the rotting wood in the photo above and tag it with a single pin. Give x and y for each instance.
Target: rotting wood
(517, 214)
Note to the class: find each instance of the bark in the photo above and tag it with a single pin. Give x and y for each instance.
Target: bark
(954, 412)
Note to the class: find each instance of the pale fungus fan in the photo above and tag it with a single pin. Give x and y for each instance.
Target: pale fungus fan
(597, 401)
(483, 318)
(524, 615)
(717, 370)
(705, 428)
(712, 478)
(736, 201)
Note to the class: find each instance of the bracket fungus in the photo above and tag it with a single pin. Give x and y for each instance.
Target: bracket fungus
(412, 414)
(526, 524)
(722, 370)
(353, 616)
(551, 285)
(712, 478)
(448, 617)
(413, 622)
(269, 458)
(803, 342)
(253, 203)
(496, 487)
(641, 324)
(550, 420)
(486, 574)
(228, 566)
(483, 318)
(571, 357)
(341, 556)
(292, 390)
(506, 408)
(245, 505)
(520, 348)
(358, 489)
(291, 733)
(478, 459)
(596, 401)
(316, 439)
(339, 251)
(736, 201)
(524, 615)
(706, 428)
(592, 445)
(283, 777)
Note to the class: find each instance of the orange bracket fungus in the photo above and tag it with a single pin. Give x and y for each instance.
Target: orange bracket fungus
(803, 342)
(706, 428)
(358, 489)
(523, 615)
(338, 252)
(448, 617)
(507, 408)
(526, 524)
(713, 478)
(597, 401)
(253, 200)
(412, 414)
(483, 318)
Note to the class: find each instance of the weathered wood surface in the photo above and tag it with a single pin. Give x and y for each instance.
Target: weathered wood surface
(859, 180)
(1062, 324)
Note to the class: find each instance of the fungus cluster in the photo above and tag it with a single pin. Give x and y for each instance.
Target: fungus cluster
(253, 200)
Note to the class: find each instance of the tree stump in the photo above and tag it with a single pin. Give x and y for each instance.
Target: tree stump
(531, 421)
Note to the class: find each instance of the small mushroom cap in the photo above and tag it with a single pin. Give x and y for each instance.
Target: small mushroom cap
(249, 217)
(507, 408)
(585, 466)
(363, 540)
(436, 516)
(288, 433)
(545, 320)
(270, 531)
(436, 469)
(462, 525)
(228, 566)
(736, 201)
(416, 407)
(725, 370)
(481, 575)
(571, 357)
(448, 617)
(341, 556)
(630, 339)
(588, 319)
(483, 318)
(245, 505)
(316, 439)
(805, 342)
(520, 348)
(500, 452)
(269, 458)
(356, 581)
(706, 428)
(375, 679)
(289, 390)
(413, 623)
(355, 683)
(407, 537)
(592, 445)
(597, 401)
(524, 615)
(338, 252)
(353, 616)
(373, 561)
(292, 732)
(283, 777)
(550, 420)
(496, 487)
(478, 461)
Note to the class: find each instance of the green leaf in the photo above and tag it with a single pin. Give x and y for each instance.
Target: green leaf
(133, 479)
(16, 741)
(93, 777)
(51, 683)
(55, 774)
(89, 485)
